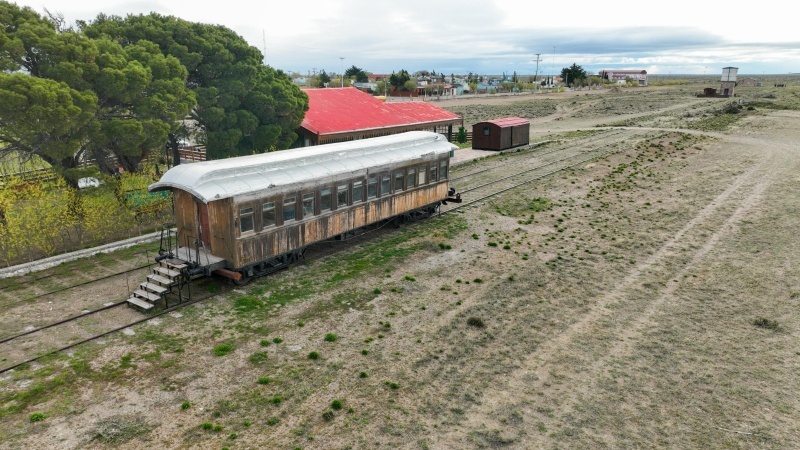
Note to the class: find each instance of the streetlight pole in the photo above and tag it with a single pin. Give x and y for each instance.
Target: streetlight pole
(342, 75)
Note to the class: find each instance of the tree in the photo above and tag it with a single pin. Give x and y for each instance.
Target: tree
(44, 118)
(357, 73)
(573, 74)
(324, 79)
(243, 106)
(134, 95)
(399, 80)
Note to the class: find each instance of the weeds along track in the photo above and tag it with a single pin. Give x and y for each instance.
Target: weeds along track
(88, 326)
(520, 169)
(585, 141)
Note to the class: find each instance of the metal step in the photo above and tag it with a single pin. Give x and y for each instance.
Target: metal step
(175, 264)
(171, 274)
(154, 288)
(137, 303)
(158, 279)
(146, 295)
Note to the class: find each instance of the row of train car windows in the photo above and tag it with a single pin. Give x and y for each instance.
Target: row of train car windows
(342, 195)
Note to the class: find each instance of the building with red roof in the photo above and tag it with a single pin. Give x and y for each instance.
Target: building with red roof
(346, 114)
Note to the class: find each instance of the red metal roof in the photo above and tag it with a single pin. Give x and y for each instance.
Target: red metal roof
(509, 122)
(340, 110)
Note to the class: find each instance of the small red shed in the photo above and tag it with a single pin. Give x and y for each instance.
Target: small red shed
(500, 134)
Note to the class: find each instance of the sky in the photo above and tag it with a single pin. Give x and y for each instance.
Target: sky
(488, 37)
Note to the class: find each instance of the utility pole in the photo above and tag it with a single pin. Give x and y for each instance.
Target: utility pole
(536, 76)
(537, 61)
(342, 75)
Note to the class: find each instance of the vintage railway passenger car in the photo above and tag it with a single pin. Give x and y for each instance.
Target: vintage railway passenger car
(255, 214)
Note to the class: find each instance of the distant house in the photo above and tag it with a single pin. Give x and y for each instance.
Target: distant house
(486, 88)
(748, 82)
(346, 114)
(366, 87)
(617, 75)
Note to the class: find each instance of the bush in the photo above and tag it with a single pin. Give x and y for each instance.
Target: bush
(461, 136)
(36, 417)
(223, 349)
(767, 324)
(476, 322)
(264, 380)
(186, 405)
(336, 405)
(328, 416)
(313, 355)
(258, 358)
(330, 337)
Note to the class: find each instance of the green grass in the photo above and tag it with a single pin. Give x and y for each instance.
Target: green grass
(223, 349)
(719, 122)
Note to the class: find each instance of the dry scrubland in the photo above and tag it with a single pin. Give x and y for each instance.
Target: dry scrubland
(647, 300)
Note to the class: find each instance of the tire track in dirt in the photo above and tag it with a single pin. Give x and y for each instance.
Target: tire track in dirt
(540, 365)
(632, 333)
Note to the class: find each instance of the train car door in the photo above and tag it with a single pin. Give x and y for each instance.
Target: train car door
(205, 229)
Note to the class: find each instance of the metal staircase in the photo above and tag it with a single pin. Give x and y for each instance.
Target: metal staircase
(169, 279)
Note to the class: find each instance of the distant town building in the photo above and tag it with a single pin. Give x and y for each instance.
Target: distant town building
(617, 75)
(749, 82)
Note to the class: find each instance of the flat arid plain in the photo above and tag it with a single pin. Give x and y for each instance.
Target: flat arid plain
(646, 296)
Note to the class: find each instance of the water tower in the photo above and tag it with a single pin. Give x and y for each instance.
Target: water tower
(728, 81)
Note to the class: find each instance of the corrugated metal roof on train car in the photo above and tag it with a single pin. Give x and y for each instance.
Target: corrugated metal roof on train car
(225, 178)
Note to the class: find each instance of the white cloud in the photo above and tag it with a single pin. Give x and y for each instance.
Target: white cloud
(486, 36)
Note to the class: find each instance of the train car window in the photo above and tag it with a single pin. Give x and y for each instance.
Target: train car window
(485, 131)
(267, 215)
(386, 183)
(443, 170)
(411, 177)
(341, 195)
(358, 191)
(398, 181)
(423, 173)
(308, 204)
(246, 223)
(432, 173)
(289, 212)
(325, 200)
(372, 187)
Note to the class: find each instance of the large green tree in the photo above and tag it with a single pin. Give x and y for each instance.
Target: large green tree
(356, 73)
(125, 101)
(324, 79)
(243, 106)
(398, 80)
(573, 75)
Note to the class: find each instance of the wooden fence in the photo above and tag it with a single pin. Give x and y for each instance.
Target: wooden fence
(194, 153)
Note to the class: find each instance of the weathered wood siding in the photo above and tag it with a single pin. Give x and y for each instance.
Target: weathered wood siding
(185, 216)
(270, 243)
(221, 214)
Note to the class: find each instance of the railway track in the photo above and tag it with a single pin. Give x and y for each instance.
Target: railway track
(15, 349)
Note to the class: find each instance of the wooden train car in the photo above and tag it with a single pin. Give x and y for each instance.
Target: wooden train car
(255, 214)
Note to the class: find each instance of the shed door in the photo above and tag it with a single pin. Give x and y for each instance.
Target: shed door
(205, 230)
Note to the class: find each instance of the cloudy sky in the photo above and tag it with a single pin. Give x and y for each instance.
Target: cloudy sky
(489, 36)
